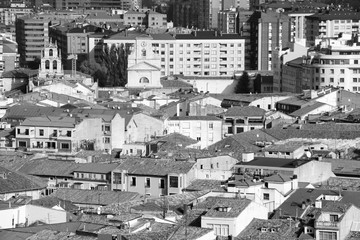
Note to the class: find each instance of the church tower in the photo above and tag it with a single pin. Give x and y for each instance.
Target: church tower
(144, 64)
(50, 65)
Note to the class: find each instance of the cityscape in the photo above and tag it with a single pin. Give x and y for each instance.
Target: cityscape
(179, 120)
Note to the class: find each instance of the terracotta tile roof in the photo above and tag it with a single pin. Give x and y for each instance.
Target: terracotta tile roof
(50, 121)
(96, 167)
(174, 84)
(283, 230)
(54, 201)
(278, 178)
(275, 162)
(195, 118)
(235, 207)
(155, 167)
(11, 181)
(94, 197)
(248, 111)
(307, 109)
(46, 167)
(202, 184)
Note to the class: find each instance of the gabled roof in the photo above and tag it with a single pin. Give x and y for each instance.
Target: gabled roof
(275, 162)
(175, 84)
(103, 198)
(248, 111)
(144, 66)
(195, 118)
(278, 178)
(155, 167)
(96, 167)
(46, 167)
(307, 109)
(12, 181)
(50, 121)
(235, 206)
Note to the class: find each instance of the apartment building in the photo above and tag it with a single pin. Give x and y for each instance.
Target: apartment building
(205, 129)
(334, 62)
(148, 18)
(98, 4)
(201, 53)
(58, 134)
(331, 24)
(8, 15)
(72, 38)
(154, 177)
(31, 36)
(243, 119)
(9, 57)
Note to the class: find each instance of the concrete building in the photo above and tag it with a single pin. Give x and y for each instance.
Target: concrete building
(228, 217)
(148, 19)
(32, 34)
(205, 129)
(215, 168)
(154, 177)
(9, 57)
(8, 15)
(25, 215)
(55, 134)
(293, 149)
(243, 119)
(330, 24)
(201, 53)
(305, 170)
(98, 4)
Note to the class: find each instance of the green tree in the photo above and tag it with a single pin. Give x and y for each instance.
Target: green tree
(243, 82)
(97, 71)
(115, 60)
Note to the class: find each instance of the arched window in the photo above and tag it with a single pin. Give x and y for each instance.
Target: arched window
(47, 64)
(54, 64)
(144, 80)
(51, 53)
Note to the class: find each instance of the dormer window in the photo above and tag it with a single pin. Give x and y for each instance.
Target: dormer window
(264, 229)
(334, 218)
(223, 209)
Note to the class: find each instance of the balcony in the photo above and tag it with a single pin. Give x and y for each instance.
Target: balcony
(327, 224)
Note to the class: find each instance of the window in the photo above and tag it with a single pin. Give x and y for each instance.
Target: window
(354, 89)
(47, 64)
(174, 182)
(212, 166)
(239, 129)
(106, 140)
(334, 218)
(342, 71)
(322, 70)
(266, 196)
(230, 130)
(162, 183)
(65, 146)
(68, 133)
(201, 166)
(327, 235)
(331, 79)
(41, 132)
(342, 79)
(54, 64)
(356, 61)
(133, 181)
(147, 183)
(211, 125)
(332, 71)
(322, 79)
(22, 143)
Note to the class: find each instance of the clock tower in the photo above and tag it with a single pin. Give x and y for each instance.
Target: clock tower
(144, 64)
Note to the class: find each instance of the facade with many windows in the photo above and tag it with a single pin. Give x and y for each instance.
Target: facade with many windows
(201, 53)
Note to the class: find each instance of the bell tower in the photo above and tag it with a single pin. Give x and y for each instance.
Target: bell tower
(50, 65)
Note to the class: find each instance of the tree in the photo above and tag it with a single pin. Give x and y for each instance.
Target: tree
(242, 85)
(115, 60)
(35, 64)
(96, 70)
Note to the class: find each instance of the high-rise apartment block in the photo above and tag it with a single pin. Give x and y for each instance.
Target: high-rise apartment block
(331, 24)
(201, 53)
(31, 34)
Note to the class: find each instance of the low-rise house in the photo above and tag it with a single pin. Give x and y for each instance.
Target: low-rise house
(55, 173)
(13, 184)
(313, 109)
(205, 129)
(293, 149)
(243, 119)
(53, 134)
(228, 217)
(215, 168)
(305, 170)
(94, 176)
(25, 215)
(154, 177)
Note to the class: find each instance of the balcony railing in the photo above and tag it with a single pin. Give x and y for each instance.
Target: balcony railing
(327, 224)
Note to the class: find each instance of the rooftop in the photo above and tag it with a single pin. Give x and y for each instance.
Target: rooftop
(207, 35)
(46, 167)
(96, 167)
(288, 146)
(307, 109)
(11, 181)
(195, 118)
(248, 111)
(155, 167)
(234, 207)
(335, 15)
(94, 197)
(50, 121)
(203, 184)
(274, 162)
